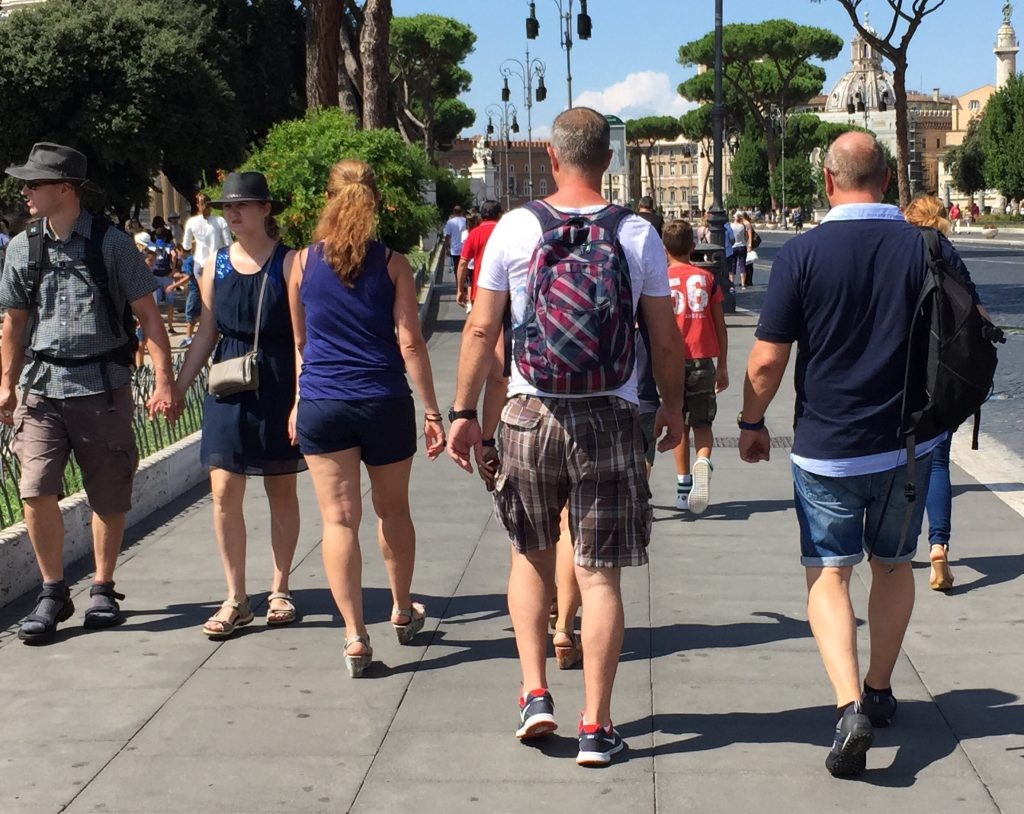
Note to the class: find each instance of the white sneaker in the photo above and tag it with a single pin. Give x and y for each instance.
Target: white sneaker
(683, 501)
(700, 496)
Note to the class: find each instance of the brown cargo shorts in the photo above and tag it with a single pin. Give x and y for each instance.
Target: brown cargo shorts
(47, 431)
(587, 453)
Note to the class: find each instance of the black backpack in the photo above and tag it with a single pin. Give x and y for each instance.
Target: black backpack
(122, 319)
(951, 363)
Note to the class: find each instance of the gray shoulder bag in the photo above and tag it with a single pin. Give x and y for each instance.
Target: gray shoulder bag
(243, 372)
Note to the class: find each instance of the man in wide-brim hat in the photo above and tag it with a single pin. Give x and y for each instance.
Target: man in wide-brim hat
(69, 276)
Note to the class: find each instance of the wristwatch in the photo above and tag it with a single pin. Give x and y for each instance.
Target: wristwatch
(454, 415)
(488, 442)
(749, 425)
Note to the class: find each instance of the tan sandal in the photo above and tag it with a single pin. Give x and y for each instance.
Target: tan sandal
(416, 613)
(281, 616)
(241, 615)
(358, 663)
(568, 655)
(941, 575)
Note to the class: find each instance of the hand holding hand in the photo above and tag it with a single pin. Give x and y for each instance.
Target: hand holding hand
(464, 437)
(433, 429)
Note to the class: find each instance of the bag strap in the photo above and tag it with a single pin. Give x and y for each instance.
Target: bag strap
(259, 303)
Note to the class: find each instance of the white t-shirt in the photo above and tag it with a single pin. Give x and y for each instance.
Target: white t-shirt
(453, 229)
(207, 235)
(506, 263)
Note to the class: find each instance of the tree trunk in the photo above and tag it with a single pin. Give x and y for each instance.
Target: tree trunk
(899, 86)
(771, 149)
(373, 52)
(323, 28)
(650, 175)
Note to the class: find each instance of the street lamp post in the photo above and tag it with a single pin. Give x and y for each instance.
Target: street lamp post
(526, 71)
(584, 28)
(779, 117)
(507, 125)
(716, 215)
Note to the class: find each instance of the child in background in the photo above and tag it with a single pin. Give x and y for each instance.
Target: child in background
(697, 300)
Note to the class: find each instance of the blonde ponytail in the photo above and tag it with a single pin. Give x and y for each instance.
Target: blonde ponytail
(349, 218)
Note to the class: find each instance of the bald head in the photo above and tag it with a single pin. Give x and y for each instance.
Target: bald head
(581, 139)
(857, 163)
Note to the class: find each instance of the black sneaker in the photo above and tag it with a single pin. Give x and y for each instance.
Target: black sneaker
(854, 735)
(536, 715)
(598, 744)
(880, 707)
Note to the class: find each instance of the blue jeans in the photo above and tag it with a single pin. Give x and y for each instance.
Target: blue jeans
(940, 495)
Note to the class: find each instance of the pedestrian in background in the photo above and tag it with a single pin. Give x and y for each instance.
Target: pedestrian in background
(356, 333)
(452, 232)
(244, 290)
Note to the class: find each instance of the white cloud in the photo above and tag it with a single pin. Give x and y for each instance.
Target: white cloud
(646, 93)
(541, 132)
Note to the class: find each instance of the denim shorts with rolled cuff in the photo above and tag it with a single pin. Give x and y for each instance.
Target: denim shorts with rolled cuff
(843, 518)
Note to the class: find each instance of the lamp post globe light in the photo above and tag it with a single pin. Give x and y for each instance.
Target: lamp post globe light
(508, 123)
(584, 29)
(526, 72)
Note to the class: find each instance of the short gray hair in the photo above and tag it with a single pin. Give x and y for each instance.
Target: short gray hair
(581, 138)
(856, 161)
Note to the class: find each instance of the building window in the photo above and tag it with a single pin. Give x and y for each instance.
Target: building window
(543, 186)
(974, 104)
(671, 169)
(672, 196)
(661, 169)
(512, 186)
(938, 143)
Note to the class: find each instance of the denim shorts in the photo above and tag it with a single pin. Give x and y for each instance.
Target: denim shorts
(383, 429)
(842, 518)
(193, 306)
(162, 296)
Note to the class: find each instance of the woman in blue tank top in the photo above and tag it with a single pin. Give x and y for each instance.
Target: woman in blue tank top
(247, 433)
(357, 332)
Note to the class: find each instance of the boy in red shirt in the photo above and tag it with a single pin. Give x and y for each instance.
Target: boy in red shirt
(473, 253)
(698, 306)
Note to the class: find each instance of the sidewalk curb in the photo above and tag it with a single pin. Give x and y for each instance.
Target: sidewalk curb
(161, 478)
(993, 465)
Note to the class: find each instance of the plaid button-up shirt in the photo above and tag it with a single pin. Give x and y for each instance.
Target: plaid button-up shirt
(71, 319)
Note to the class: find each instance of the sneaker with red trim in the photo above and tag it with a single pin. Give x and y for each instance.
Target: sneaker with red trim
(536, 714)
(598, 744)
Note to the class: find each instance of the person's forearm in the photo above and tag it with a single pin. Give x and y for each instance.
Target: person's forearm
(197, 355)
(12, 350)
(159, 348)
(668, 363)
(460, 275)
(417, 365)
(474, 362)
(495, 394)
(764, 375)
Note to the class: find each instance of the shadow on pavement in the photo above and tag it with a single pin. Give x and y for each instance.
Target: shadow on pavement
(995, 570)
(727, 510)
(970, 714)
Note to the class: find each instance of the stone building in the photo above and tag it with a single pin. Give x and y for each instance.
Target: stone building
(512, 166)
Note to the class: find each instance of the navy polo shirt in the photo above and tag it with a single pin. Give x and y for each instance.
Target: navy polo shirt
(845, 293)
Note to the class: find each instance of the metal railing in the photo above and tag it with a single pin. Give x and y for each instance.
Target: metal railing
(150, 437)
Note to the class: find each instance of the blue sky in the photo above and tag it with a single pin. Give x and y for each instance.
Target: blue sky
(629, 67)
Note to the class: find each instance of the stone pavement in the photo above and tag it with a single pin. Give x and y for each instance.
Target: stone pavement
(720, 692)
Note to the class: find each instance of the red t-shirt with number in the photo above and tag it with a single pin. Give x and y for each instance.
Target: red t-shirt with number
(694, 291)
(473, 251)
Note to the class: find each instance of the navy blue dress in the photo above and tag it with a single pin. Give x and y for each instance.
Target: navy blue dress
(247, 433)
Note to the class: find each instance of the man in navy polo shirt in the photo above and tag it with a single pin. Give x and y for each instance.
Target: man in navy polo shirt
(845, 293)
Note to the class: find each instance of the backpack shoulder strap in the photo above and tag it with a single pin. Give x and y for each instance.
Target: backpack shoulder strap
(931, 241)
(98, 271)
(611, 218)
(549, 217)
(38, 259)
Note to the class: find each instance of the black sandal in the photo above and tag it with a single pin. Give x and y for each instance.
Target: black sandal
(103, 610)
(53, 605)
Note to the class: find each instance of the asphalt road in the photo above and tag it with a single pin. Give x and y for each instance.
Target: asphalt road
(998, 272)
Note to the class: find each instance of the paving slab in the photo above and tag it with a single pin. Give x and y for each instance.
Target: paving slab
(720, 691)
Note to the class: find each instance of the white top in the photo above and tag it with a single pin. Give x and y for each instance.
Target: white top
(453, 229)
(207, 235)
(506, 263)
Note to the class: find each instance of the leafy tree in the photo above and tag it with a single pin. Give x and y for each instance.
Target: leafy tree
(123, 81)
(697, 125)
(765, 64)
(426, 52)
(451, 117)
(453, 190)
(1002, 139)
(646, 131)
(751, 182)
(907, 15)
(966, 161)
(801, 186)
(298, 155)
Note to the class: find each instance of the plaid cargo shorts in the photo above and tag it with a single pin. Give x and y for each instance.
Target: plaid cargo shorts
(587, 453)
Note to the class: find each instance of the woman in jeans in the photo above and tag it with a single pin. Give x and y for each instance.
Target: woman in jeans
(357, 332)
(247, 433)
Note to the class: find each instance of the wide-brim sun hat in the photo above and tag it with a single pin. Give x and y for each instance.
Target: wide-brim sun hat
(52, 162)
(241, 187)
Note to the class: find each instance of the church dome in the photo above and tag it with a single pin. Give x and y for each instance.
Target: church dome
(866, 83)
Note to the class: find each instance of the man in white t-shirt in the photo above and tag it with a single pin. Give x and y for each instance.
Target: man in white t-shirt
(584, 449)
(453, 230)
(205, 233)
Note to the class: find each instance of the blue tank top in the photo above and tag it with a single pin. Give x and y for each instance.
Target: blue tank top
(351, 348)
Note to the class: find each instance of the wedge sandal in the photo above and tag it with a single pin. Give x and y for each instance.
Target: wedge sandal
(568, 655)
(416, 614)
(358, 663)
